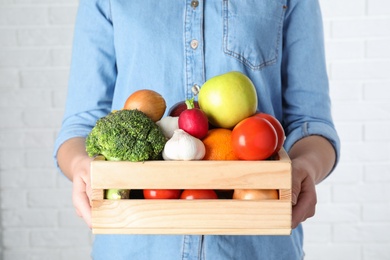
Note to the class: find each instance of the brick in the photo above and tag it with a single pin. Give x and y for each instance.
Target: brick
(361, 28)
(377, 172)
(350, 131)
(32, 254)
(376, 212)
(377, 131)
(337, 213)
(40, 117)
(39, 159)
(62, 14)
(8, 37)
(29, 218)
(60, 238)
(361, 233)
(59, 99)
(26, 138)
(361, 193)
(63, 182)
(45, 36)
(360, 111)
(69, 219)
(377, 251)
(15, 254)
(340, 251)
(346, 90)
(9, 79)
(11, 159)
(45, 78)
(360, 70)
(21, 98)
(346, 173)
(15, 238)
(344, 49)
(346, 8)
(28, 178)
(38, 138)
(76, 254)
(378, 48)
(327, 25)
(377, 91)
(23, 15)
(378, 7)
(49, 198)
(324, 193)
(317, 233)
(61, 57)
(13, 199)
(372, 152)
(51, 2)
(12, 58)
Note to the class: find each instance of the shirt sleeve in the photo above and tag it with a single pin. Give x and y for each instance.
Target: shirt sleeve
(92, 72)
(306, 101)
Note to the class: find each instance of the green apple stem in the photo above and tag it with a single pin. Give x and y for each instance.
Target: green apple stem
(190, 103)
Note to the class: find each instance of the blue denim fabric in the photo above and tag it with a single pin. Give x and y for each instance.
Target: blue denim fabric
(195, 247)
(124, 45)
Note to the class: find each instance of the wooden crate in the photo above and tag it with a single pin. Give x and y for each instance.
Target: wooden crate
(223, 216)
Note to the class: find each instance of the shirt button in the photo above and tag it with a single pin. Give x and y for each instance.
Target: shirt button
(194, 44)
(194, 4)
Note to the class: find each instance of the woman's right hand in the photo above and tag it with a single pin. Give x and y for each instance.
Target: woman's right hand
(81, 194)
(75, 164)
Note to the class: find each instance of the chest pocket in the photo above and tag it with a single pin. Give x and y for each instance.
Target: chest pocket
(253, 30)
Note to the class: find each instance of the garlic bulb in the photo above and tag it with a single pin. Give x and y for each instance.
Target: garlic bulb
(168, 125)
(183, 146)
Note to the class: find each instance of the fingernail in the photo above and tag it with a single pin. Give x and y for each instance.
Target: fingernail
(294, 199)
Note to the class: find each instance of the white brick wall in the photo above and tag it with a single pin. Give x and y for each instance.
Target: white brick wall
(37, 218)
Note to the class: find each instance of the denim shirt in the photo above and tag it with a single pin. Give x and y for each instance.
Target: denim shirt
(124, 45)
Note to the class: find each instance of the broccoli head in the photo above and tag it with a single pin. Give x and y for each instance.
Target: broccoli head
(126, 135)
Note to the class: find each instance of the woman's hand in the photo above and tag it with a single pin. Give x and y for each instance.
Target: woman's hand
(75, 164)
(312, 159)
(304, 197)
(81, 193)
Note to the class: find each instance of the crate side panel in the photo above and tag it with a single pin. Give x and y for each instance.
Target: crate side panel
(191, 175)
(157, 214)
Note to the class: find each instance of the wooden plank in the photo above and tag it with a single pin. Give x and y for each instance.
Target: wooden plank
(194, 231)
(97, 194)
(272, 174)
(195, 214)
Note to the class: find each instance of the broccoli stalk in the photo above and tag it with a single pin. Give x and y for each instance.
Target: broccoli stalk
(126, 135)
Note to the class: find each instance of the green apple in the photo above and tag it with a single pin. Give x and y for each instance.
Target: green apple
(228, 98)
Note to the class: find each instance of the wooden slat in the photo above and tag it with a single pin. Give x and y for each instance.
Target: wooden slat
(200, 216)
(195, 231)
(192, 174)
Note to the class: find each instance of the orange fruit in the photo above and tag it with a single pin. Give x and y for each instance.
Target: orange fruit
(218, 145)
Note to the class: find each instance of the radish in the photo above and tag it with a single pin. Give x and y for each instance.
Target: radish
(193, 120)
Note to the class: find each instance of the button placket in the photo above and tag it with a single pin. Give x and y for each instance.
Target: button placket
(194, 45)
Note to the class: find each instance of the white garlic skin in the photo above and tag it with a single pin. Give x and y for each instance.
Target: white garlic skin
(183, 147)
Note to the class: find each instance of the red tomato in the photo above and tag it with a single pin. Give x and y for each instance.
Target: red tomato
(198, 194)
(162, 194)
(278, 127)
(254, 138)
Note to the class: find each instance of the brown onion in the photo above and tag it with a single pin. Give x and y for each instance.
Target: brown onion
(148, 101)
(256, 194)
